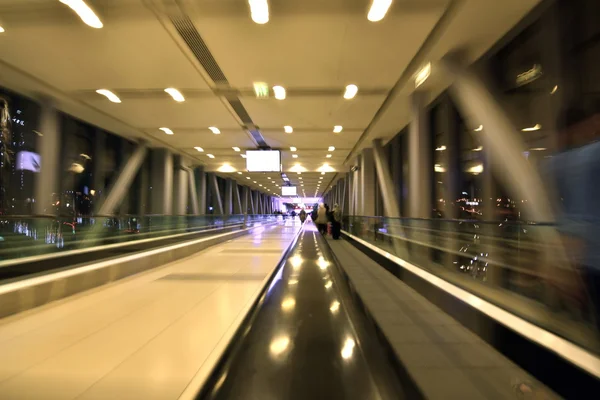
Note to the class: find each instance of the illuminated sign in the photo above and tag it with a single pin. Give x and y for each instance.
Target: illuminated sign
(263, 161)
(261, 90)
(288, 190)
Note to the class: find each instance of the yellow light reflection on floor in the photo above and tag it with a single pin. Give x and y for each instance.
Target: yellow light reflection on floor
(288, 304)
(335, 306)
(279, 345)
(348, 349)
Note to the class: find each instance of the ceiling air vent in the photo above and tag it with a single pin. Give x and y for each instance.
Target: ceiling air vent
(186, 29)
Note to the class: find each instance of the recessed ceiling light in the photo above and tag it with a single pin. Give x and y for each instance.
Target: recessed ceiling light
(166, 130)
(259, 11)
(331, 148)
(239, 173)
(279, 92)
(85, 12)
(328, 156)
(247, 177)
(378, 10)
(109, 95)
(293, 148)
(260, 184)
(243, 155)
(210, 156)
(175, 94)
(351, 91)
(295, 155)
(299, 173)
(536, 127)
(226, 168)
(302, 185)
(479, 128)
(323, 173)
(214, 130)
(2, 30)
(288, 129)
(337, 129)
(236, 148)
(200, 149)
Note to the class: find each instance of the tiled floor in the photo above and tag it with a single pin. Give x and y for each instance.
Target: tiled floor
(146, 337)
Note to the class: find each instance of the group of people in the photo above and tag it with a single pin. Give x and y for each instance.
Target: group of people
(322, 216)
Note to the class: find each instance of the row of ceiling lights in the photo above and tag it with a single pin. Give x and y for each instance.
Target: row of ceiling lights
(259, 10)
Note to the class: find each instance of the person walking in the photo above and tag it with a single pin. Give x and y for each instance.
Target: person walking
(336, 222)
(302, 215)
(322, 219)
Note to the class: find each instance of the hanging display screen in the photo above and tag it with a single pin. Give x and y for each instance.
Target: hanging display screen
(263, 161)
(288, 190)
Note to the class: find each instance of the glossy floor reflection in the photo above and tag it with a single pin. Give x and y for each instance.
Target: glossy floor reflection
(302, 343)
(145, 337)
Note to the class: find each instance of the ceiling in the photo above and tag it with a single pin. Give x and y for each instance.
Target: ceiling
(313, 48)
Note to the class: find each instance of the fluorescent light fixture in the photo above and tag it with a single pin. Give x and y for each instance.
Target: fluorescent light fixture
(326, 168)
(439, 168)
(337, 129)
(214, 130)
(166, 130)
(378, 10)
(226, 168)
(328, 156)
(85, 12)
(293, 148)
(210, 156)
(331, 148)
(539, 149)
(288, 129)
(351, 91)
(175, 94)
(536, 127)
(294, 155)
(297, 168)
(441, 148)
(422, 75)
(259, 11)
(109, 95)
(261, 90)
(279, 92)
(236, 148)
(479, 128)
(200, 149)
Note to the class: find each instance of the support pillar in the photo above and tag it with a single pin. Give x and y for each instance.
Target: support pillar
(367, 183)
(228, 206)
(237, 202)
(193, 191)
(181, 186)
(419, 158)
(200, 177)
(125, 178)
(162, 182)
(216, 193)
(47, 182)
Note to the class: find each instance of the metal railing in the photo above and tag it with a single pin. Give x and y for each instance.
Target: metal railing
(506, 263)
